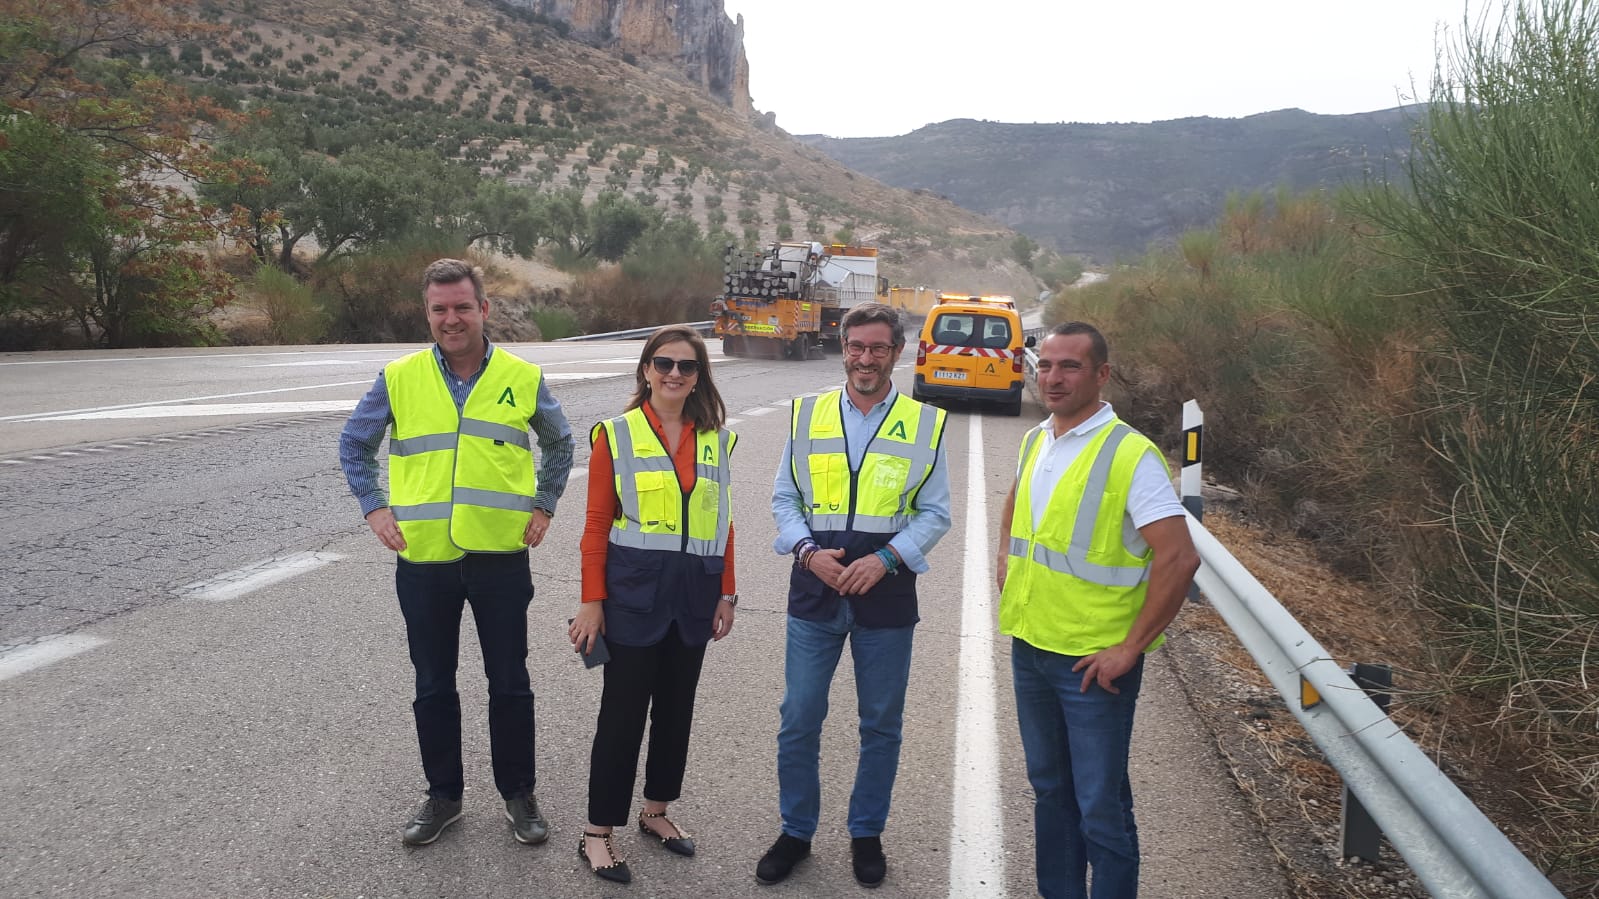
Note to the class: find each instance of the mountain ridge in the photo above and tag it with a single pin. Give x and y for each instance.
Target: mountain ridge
(1107, 190)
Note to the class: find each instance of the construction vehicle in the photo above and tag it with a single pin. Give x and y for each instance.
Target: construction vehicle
(913, 302)
(788, 302)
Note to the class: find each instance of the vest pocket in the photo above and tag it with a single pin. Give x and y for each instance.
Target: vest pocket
(631, 579)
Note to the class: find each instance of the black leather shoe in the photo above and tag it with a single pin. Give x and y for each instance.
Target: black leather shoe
(527, 823)
(866, 856)
(779, 861)
(430, 820)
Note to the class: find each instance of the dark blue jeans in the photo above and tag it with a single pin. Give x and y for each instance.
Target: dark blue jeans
(882, 658)
(1077, 745)
(499, 587)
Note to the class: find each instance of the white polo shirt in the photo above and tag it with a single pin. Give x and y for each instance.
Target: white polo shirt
(1151, 498)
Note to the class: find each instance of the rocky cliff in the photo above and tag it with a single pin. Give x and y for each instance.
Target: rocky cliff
(695, 35)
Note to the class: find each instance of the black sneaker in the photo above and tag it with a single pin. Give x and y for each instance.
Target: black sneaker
(527, 823)
(430, 820)
(866, 857)
(779, 861)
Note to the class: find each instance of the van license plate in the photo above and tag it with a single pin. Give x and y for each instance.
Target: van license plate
(949, 376)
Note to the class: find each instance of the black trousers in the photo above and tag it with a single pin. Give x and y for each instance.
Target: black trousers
(659, 681)
(499, 587)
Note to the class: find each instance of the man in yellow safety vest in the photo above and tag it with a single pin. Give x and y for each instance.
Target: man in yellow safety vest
(1094, 562)
(467, 503)
(860, 499)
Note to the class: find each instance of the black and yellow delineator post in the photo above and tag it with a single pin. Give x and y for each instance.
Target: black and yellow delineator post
(1193, 454)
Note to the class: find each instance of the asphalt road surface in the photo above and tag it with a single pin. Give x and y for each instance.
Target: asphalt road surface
(204, 688)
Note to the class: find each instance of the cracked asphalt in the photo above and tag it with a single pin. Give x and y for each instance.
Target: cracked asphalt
(263, 746)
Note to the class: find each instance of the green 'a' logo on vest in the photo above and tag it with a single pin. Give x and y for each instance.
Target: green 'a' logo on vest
(507, 397)
(898, 430)
(708, 457)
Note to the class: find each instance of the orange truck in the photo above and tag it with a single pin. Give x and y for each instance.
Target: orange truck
(787, 301)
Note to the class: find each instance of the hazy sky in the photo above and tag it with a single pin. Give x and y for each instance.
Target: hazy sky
(884, 67)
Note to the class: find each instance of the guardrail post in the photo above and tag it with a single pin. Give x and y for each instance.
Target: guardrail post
(1193, 446)
(1359, 833)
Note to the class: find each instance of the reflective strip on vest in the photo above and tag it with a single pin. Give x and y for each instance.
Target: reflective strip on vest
(492, 499)
(1075, 562)
(627, 464)
(490, 430)
(427, 443)
(920, 454)
(421, 512)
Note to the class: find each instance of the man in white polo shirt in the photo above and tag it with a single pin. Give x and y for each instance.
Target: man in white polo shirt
(1094, 562)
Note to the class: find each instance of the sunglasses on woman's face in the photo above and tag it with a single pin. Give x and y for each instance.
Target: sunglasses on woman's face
(685, 367)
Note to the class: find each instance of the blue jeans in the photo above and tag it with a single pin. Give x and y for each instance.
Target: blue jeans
(882, 657)
(1077, 745)
(432, 597)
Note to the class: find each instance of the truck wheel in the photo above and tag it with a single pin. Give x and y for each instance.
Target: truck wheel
(732, 345)
(1012, 409)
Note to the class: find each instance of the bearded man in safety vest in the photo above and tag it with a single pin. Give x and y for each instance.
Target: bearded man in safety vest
(1094, 562)
(467, 503)
(861, 497)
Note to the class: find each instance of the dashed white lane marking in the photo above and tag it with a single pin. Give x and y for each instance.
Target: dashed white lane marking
(234, 584)
(200, 410)
(732, 421)
(32, 416)
(976, 836)
(49, 649)
(13, 462)
(758, 410)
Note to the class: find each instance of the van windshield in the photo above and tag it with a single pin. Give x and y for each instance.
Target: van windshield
(970, 329)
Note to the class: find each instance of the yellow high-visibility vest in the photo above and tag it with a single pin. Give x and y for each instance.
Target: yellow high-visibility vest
(461, 482)
(655, 512)
(880, 497)
(1073, 586)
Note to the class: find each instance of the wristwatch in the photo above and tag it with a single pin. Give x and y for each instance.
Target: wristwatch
(731, 599)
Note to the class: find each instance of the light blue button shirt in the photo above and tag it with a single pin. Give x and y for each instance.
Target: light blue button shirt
(927, 525)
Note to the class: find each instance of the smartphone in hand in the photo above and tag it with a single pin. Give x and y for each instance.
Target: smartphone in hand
(598, 654)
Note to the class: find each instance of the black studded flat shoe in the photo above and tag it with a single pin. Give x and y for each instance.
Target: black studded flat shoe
(616, 871)
(682, 844)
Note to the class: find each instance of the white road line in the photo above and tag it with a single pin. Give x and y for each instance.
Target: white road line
(234, 584)
(732, 421)
(49, 649)
(185, 357)
(583, 375)
(182, 399)
(199, 410)
(13, 462)
(758, 410)
(976, 835)
(305, 362)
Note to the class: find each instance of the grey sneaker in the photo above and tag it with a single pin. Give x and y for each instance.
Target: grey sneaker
(527, 823)
(430, 820)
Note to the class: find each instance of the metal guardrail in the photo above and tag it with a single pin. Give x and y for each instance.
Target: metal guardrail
(1450, 844)
(705, 328)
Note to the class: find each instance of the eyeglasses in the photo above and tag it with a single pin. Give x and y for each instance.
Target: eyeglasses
(878, 350)
(685, 367)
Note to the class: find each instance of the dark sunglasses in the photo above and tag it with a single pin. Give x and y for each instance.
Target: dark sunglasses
(685, 367)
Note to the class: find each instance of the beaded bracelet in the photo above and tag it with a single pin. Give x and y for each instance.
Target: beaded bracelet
(890, 561)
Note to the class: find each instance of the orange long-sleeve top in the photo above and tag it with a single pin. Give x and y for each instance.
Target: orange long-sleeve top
(604, 506)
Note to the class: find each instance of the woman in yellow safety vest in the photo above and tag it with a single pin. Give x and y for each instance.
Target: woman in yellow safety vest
(657, 582)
